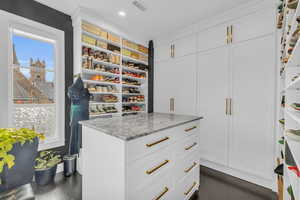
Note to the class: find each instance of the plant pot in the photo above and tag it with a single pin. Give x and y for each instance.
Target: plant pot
(69, 165)
(45, 176)
(23, 170)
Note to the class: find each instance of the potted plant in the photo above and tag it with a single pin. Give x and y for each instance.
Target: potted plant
(45, 167)
(18, 150)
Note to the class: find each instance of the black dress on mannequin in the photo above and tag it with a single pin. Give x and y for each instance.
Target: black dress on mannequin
(80, 98)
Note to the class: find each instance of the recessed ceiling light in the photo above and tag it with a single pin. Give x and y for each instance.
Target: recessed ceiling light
(122, 13)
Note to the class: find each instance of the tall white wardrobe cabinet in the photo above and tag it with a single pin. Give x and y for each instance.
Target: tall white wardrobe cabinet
(225, 73)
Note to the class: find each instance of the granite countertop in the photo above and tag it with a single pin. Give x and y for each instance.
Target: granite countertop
(134, 126)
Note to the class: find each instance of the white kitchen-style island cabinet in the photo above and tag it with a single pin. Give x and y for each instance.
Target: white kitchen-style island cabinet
(146, 156)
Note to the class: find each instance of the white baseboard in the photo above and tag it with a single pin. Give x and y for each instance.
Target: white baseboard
(239, 174)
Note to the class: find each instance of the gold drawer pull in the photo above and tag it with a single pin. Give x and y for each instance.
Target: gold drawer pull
(190, 168)
(187, 192)
(150, 171)
(188, 148)
(162, 194)
(157, 142)
(189, 129)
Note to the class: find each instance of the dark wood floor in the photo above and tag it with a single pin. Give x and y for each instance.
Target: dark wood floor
(213, 186)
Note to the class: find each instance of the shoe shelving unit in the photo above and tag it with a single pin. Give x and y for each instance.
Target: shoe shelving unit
(111, 66)
(288, 148)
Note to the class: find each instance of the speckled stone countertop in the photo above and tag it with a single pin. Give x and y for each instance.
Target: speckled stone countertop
(135, 126)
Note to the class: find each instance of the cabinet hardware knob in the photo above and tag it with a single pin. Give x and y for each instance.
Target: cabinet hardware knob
(188, 148)
(226, 106)
(162, 194)
(231, 33)
(189, 129)
(172, 104)
(230, 106)
(157, 142)
(190, 189)
(150, 171)
(190, 168)
(227, 35)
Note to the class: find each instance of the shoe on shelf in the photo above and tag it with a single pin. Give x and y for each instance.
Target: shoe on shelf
(293, 134)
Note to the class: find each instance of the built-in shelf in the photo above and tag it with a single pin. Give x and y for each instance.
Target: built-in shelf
(90, 71)
(100, 49)
(86, 74)
(103, 63)
(133, 69)
(100, 38)
(100, 82)
(127, 58)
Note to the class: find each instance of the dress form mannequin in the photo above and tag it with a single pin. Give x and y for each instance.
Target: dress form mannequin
(80, 98)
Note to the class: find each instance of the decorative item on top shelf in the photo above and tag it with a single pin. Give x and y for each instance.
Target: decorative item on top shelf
(129, 90)
(134, 74)
(134, 46)
(91, 54)
(292, 4)
(97, 31)
(94, 30)
(135, 66)
(295, 106)
(132, 108)
(106, 98)
(293, 134)
(133, 99)
(94, 88)
(127, 81)
(280, 15)
(102, 109)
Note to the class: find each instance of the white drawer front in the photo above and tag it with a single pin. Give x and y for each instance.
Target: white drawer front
(186, 167)
(143, 146)
(185, 189)
(149, 169)
(186, 147)
(162, 190)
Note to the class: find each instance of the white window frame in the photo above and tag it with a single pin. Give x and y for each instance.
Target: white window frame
(9, 24)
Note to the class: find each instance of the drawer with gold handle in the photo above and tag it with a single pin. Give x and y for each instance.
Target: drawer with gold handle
(157, 142)
(190, 129)
(190, 189)
(190, 147)
(150, 171)
(166, 189)
(190, 168)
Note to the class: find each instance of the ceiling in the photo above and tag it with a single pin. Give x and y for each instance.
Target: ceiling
(161, 16)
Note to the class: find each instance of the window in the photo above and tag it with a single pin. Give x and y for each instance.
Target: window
(34, 87)
(33, 83)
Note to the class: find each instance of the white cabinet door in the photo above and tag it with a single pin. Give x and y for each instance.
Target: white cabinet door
(185, 46)
(253, 87)
(183, 76)
(213, 87)
(254, 25)
(163, 86)
(162, 52)
(212, 38)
